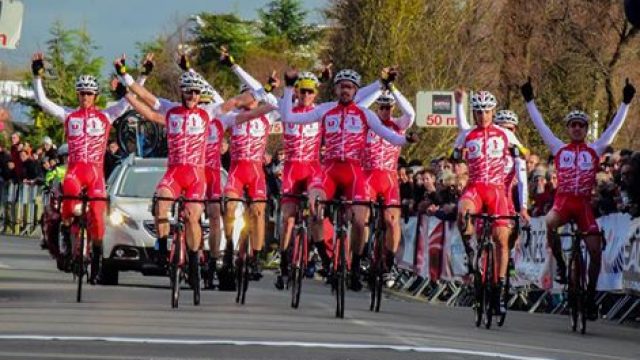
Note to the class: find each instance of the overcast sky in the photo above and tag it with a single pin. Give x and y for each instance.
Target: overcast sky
(116, 25)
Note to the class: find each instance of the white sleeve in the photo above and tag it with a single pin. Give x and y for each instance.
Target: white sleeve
(217, 99)
(213, 110)
(163, 106)
(374, 123)
(461, 117)
(246, 79)
(141, 80)
(47, 105)
(408, 113)
(459, 143)
(116, 110)
(309, 117)
(368, 100)
(366, 91)
(610, 133)
(511, 137)
(551, 140)
(228, 120)
(523, 186)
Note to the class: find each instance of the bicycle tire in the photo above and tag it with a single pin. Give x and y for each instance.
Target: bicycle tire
(378, 271)
(489, 288)
(341, 275)
(478, 297)
(196, 286)
(299, 267)
(240, 272)
(573, 293)
(80, 266)
(175, 272)
(582, 291)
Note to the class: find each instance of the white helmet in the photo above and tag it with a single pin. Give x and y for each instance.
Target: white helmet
(87, 83)
(206, 95)
(576, 115)
(191, 81)
(386, 99)
(347, 74)
(307, 79)
(483, 100)
(506, 117)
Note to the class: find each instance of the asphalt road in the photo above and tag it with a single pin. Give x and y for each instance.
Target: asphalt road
(39, 319)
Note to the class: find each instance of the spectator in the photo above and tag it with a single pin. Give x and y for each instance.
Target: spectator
(542, 193)
(31, 168)
(16, 147)
(427, 201)
(405, 176)
(112, 158)
(48, 148)
(11, 174)
(532, 162)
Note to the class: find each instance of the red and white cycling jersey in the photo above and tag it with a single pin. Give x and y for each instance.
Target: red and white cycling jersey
(379, 154)
(486, 150)
(87, 133)
(302, 142)
(576, 164)
(187, 131)
(249, 139)
(217, 127)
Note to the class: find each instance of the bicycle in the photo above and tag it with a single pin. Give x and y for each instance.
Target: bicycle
(81, 250)
(576, 289)
(245, 250)
(377, 235)
(177, 259)
(207, 269)
(485, 279)
(299, 247)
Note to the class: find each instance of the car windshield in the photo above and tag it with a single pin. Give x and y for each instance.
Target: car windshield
(140, 181)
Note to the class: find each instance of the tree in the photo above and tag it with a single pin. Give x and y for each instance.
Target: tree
(69, 54)
(285, 19)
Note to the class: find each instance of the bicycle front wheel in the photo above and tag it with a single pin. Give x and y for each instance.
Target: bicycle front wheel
(298, 267)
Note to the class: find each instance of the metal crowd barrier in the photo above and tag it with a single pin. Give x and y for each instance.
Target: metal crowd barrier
(21, 208)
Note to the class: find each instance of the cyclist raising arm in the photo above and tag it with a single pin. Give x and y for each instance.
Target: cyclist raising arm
(577, 163)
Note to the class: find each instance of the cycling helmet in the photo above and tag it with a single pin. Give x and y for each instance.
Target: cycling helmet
(386, 99)
(307, 80)
(87, 83)
(191, 81)
(506, 117)
(347, 74)
(206, 95)
(63, 150)
(483, 100)
(576, 115)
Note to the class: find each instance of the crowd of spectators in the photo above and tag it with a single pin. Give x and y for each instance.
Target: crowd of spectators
(21, 163)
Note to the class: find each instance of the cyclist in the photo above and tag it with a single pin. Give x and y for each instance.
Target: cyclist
(380, 165)
(87, 131)
(188, 128)
(577, 163)
(344, 127)
(486, 148)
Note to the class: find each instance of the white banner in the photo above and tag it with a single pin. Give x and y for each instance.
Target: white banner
(631, 254)
(11, 12)
(407, 248)
(614, 227)
(455, 257)
(533, 263)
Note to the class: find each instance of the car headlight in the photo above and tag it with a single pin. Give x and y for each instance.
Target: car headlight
(116, 217)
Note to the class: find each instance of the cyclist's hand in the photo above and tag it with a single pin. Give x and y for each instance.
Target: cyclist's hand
(225, 58)
(37, 64)
(524, 215)
(527, 90)
(184, 63)
(272, 82)
(326, 73)
(628, 92)
(388, 75)
(290, 77)
(118, 88)
(412, 138)
(458, 95)
(119, 65)
(147, 64)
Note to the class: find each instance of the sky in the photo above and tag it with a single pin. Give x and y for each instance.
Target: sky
(117, 25)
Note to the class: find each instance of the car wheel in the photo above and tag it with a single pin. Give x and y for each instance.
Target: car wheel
(109, 274)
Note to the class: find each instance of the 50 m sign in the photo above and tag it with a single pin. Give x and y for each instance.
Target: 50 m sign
(435, 109)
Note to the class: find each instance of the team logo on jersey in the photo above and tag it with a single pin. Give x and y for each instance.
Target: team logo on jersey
(292, 129)
(474, 149)
(495, 147)
(353, 124)
(75, 127)
(310, 130)
(240, 129)
(213, 134)
(332, 124)
(567, 159)
(95, 127)
(175, 124)
(195, 124)
(256, 128)
(585, 160)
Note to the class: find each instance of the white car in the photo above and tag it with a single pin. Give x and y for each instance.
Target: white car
(130, 242)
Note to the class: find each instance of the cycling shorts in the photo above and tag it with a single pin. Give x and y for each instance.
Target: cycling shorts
(249, 174)
(383, 183)
(347, 177)
(214, 185)
(184, 179)
(90, 177)
(577, 208)
(297, 176)
(488, 198)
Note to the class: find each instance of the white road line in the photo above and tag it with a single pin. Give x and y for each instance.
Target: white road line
(420, 349)
(4, 266)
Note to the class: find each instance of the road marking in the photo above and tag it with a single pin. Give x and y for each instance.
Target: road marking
(4, 266)
(420, 349)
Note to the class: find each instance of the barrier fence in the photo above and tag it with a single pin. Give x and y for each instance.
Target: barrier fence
(21, 207)
(432, 263)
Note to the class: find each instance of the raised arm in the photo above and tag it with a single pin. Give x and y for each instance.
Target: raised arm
(368, 100)
(374, 123)
(367, 92)
(287, 115)
(145, 110)
(461, 116)
(408, 113)
(47, 105)
(548, 137)
(610, 133)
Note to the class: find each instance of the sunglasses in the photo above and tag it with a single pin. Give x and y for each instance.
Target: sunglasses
(86, 93)
(192, 92)
(307, 91)
(385, 107)
(578, 124)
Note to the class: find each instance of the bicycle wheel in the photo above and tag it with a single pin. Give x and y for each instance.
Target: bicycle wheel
(175, 272)
(507, 288)
(376, 271)
(341, 276)
(246, 275)
(478, 296)
(80, 265)
(573, 296)
(582, 295)
(298, 265)
(489, 287)
(196, 286)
